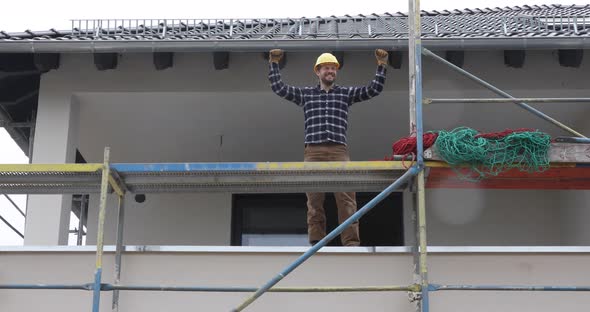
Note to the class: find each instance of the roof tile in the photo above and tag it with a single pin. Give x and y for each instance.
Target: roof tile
(515, 21)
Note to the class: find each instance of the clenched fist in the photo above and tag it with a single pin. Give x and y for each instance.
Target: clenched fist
(276, 55)
(381, 56)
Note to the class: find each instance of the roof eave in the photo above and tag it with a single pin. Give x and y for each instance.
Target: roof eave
(98, 46)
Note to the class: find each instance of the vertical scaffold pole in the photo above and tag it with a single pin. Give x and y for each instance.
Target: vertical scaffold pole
(416, 128)
(119, 251)
(104, 188)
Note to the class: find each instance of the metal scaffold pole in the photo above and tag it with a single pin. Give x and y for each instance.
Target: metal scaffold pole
(496, 90)
(416, 128)
(119, 251)
(313, 250)
(104, 187)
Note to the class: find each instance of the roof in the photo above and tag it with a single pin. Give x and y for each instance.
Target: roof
(457, 28)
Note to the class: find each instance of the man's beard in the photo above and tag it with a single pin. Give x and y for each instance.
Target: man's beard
(327, 82)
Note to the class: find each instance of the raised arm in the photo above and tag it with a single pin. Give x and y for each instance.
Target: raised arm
(358, 94)
(293, 94)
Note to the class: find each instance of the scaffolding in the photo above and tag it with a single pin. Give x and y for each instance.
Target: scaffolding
(120, 179)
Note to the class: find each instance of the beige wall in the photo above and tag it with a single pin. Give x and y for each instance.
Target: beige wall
(252, 269)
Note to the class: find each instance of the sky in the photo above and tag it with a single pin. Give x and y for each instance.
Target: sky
(35, 15)
(11, 154)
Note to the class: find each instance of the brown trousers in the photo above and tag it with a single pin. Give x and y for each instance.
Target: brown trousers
(346, 202)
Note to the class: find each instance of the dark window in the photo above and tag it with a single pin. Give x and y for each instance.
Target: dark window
(280, 219)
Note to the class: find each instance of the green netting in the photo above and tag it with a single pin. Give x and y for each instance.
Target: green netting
(475, 158)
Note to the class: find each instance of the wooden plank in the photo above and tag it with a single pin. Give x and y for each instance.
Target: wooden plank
(559, 178)
(569, 152)
(558, 153)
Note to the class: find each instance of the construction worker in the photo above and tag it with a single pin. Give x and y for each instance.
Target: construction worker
(325, 107)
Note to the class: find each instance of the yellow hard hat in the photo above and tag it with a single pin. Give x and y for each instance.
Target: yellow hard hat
(326, 58)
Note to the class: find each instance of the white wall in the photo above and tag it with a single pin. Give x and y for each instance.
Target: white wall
(493, 217)
(193, 113)
(167, 219)
(575, 208)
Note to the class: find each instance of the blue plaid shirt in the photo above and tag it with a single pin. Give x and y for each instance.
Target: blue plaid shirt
(326, 113)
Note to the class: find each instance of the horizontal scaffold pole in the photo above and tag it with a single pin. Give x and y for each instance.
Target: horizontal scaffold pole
(507, 100)
(435, 287)
(496, 90)
(310, 289)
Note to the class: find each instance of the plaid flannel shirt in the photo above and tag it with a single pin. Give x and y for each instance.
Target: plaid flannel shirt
(326, 113)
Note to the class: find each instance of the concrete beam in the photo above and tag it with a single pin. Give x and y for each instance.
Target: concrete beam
(570, 58)
(514, 58)
(163, 60)
(105, 61)
(221, 60)
(56, 138)
(396, 59)
(455, 57)
(45, 62)
(340, 57)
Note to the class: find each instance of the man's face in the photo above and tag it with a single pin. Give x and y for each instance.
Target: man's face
(327, 73)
